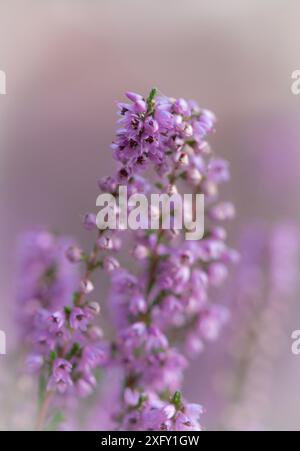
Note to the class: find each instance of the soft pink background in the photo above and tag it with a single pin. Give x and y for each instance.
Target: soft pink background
(68, 62)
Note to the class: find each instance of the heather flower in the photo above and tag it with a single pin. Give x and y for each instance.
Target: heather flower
(79, 319)
(56, 321)
(217, 273)
(131, 397)
(153, 414)
(218, 170)
(74, 254)
(211, 321)
(164, 296)
(60, 382)
(43, 342)
(105, 242)
(110, 263)
(93, 308)
(86, 286)
(46, 278)
(140, 252)
(137, 305)
(148, 128)
(222, 211)
(108, 184)
(89, 221)
(61, 367)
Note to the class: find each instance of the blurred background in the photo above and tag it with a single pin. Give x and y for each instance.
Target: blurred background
(67, 63)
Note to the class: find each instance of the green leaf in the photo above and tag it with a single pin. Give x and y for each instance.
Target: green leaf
(67, 310)
(176, 400)
(76, 349)
(142, 399)
(150, 99)
(53, 356)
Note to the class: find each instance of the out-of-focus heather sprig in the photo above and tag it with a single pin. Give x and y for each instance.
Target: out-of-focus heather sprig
(161, 309)
(46, 279)
(57, 320)
(262, 292)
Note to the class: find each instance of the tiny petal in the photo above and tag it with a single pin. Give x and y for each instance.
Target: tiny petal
(110, 264)
(104, 242)
(140, 252)
(89, 221)
(140, 106)
(133, 96)
(131, 397)
(74, 254)
(93, 308)
(86, 286)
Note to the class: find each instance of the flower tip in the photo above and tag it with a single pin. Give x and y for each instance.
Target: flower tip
(133, 96)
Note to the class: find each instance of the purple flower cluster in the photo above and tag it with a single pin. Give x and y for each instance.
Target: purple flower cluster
(62, 339)
(46, 279)
(150, 413)
(165, 303)
(70, 346)
(161, 309)
(149, 129)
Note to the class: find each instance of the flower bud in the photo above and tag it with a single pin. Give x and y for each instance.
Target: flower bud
(172, 189)
(133, 96)
(182, 159)
(131, 397)
(74, 254)
(140, 106)
(95, 333)
(93, 308)
(210, 188)
(104, 242)
(110, 263)
(193, 176)
(86, 286)
(222, 211)
(89, 222)
(140, 252)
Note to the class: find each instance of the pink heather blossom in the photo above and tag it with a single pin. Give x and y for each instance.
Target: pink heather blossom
(163, 291)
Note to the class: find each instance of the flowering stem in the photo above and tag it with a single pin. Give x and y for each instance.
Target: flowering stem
(43, 411)
(90, 267)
